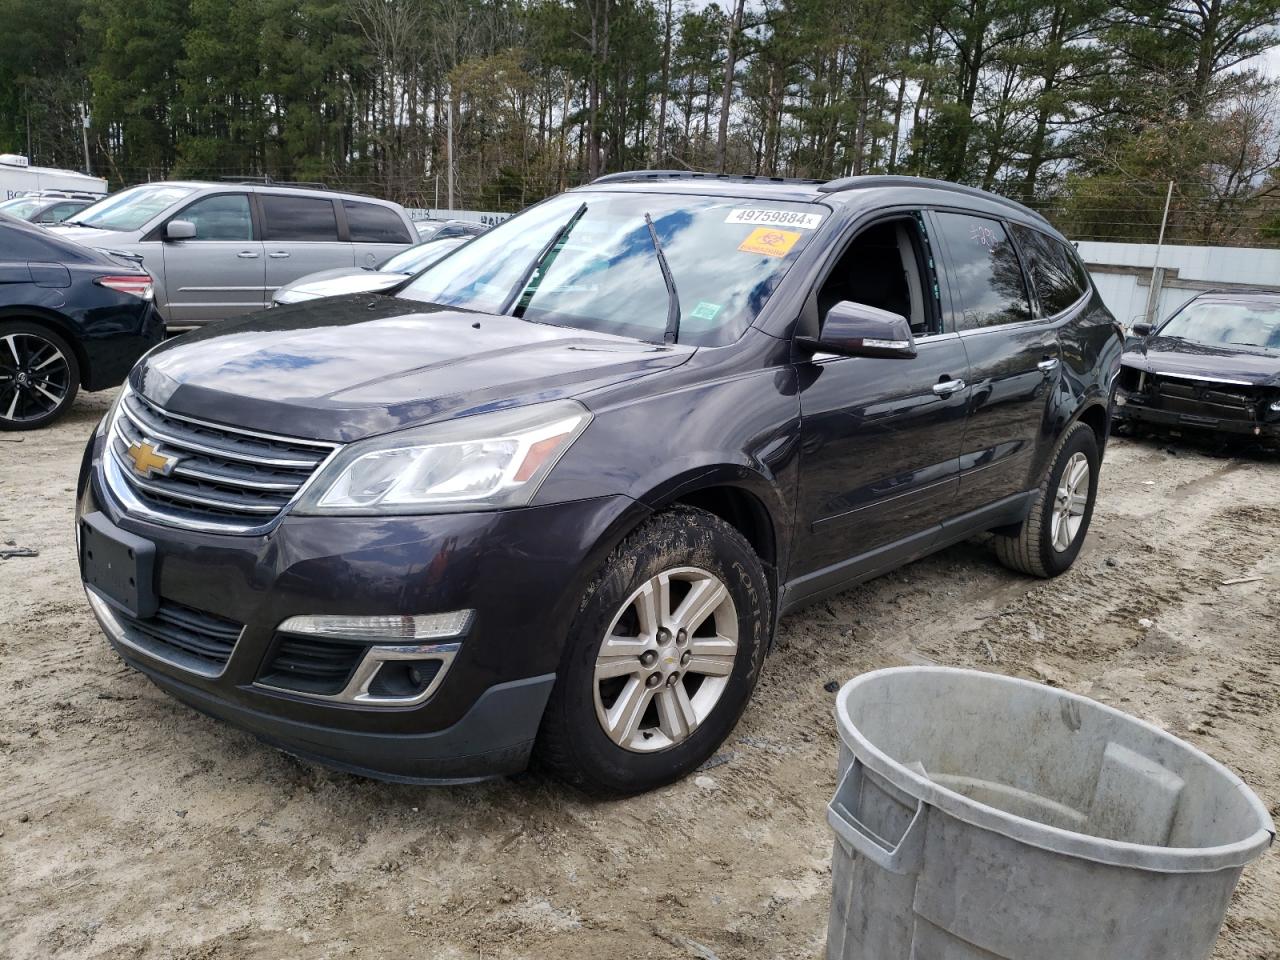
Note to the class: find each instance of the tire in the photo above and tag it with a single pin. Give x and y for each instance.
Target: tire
(1032, 550)
(683, 720)
(39, 375)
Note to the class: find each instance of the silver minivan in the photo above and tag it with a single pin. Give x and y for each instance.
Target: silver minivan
(218, 250)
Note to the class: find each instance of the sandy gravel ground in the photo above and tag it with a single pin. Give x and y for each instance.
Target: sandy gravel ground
(133, 827)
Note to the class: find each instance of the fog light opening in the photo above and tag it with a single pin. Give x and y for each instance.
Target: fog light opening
(407, 679)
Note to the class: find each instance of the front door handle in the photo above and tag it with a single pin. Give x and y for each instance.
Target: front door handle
(947, 387)
(1048, 364)
(247, 255)
(278, 255)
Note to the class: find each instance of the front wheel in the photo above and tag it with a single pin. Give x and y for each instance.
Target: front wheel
(39, 376)
(1049, 540)
(662, 657)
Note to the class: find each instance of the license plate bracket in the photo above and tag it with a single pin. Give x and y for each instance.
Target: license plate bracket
(119, 565)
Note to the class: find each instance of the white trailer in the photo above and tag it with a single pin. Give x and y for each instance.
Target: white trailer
(18, 178)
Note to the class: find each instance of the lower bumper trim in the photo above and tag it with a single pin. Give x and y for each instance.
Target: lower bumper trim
(494, 738)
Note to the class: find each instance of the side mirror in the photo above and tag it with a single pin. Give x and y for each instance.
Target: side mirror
(1141, 329)
(857, 330)
(180, 230)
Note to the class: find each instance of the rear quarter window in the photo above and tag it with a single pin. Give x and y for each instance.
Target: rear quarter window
(1056, 272)
(370, 223)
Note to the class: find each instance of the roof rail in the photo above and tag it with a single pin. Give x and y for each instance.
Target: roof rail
(272, 182)
(630, 176)
(888, 180)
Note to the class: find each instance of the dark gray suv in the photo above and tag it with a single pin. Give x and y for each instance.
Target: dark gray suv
(554, 492)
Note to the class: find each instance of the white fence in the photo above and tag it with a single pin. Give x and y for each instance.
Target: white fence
(1123, 273)
(487, 217)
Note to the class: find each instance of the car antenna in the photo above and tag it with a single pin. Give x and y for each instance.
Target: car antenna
(542, 255)
(672, 333)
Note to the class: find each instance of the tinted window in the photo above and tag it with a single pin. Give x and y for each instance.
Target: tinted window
(370, 223)
(299, 218)
(1054, 270)
(988, 288)
(222, 217)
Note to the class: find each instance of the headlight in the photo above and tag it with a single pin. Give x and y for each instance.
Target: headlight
(485, 462)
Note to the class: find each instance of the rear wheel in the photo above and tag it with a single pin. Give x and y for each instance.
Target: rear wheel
(662, 657)
(1050, 538)
(39, 375)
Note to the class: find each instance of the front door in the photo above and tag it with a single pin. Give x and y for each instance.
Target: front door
(220, 272)
(1014, 361)
(881, 438)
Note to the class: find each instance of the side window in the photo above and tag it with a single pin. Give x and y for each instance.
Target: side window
(224, 216)
(988, 288)
(60, 211)
(299, 218)
(1053, 268)
(881, 268)
(370, 223)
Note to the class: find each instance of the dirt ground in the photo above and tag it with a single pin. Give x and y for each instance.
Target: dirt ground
(133, 827)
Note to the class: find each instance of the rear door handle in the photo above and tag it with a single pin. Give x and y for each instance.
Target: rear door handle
(247, 255)
(947, 387)
(1048, 364)
(278, 255)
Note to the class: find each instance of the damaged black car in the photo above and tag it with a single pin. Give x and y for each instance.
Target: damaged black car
(1214, 365)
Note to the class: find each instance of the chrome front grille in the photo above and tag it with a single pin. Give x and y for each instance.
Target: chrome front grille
(216, 477)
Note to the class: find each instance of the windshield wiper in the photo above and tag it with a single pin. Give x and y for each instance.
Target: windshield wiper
(672, 333)
(546, 251)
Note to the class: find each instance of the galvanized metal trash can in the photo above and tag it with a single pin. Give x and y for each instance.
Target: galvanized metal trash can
(981, 817)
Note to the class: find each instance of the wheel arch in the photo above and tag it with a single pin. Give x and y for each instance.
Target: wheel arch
(56, 323)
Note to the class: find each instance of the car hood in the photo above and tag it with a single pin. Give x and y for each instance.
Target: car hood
(339, 281)
(91, 236)
(1186, 358)
(351, 367)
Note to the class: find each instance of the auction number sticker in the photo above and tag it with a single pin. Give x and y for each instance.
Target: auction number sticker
(770, 242)
(776, 218)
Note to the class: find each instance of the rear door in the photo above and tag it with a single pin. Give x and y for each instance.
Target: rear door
(219, 273)
(300, 236)
(880, 437)
(376, 232)
(1014, 359)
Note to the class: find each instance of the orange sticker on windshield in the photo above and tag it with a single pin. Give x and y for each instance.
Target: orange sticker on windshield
(770, 242)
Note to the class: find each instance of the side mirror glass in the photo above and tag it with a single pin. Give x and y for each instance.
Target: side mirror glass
(1141, 329)
(180, 230)
(857, 330)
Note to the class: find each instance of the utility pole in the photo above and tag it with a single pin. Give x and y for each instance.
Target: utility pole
(448, 109)
(1157, 274)
(84, 137)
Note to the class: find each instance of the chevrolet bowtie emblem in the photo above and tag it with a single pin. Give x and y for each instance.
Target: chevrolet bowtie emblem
(148, 461)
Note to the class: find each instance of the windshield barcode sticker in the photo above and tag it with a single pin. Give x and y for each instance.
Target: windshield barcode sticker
(777, 218)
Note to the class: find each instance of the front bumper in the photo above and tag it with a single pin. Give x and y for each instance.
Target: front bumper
(522, 571)
(1131, 408)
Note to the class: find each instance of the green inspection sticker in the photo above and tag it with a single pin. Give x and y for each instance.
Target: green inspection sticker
(705, 310)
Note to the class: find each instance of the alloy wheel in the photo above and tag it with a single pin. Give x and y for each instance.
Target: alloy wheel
(666, 659)
(1070, 502)
(35, 377)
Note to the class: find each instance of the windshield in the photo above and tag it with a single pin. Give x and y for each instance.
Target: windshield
(21, 207)
(130, 209)
(1225, 323)
(420, 256)
(727, 256)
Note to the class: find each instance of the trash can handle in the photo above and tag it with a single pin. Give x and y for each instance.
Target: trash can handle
(903, 857)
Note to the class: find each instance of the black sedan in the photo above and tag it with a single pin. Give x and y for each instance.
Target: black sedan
(70, 317)
(1213, 365)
